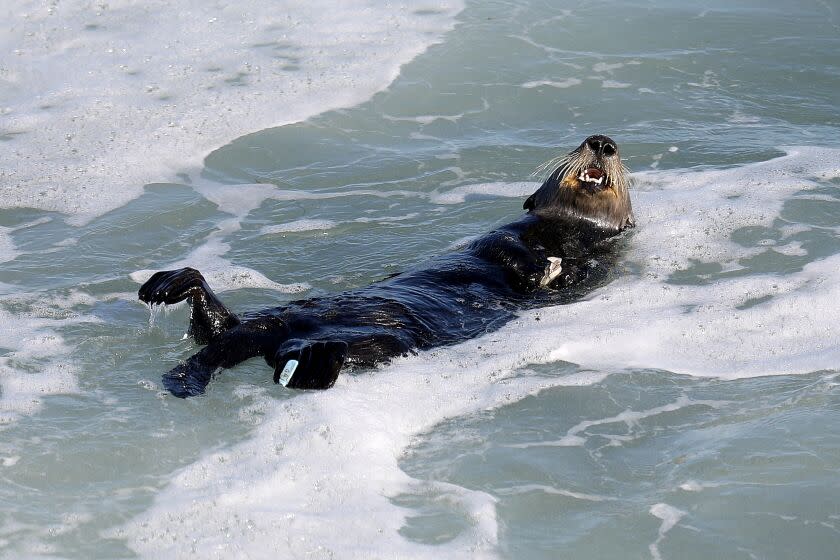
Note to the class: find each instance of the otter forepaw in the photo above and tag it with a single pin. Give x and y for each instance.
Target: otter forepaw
(305, 364)
(170, 286)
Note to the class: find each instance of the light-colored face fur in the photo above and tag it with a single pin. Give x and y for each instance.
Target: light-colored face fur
(589, 183)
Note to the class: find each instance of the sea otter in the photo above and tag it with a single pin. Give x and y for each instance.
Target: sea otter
(561, 248)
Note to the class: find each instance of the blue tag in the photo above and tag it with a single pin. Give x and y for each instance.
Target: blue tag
(288, 372)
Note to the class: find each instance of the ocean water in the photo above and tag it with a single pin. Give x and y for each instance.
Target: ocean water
(689, 409)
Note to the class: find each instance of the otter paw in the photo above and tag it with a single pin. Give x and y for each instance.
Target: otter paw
(170, 286)
(187, 379)
(304, 364)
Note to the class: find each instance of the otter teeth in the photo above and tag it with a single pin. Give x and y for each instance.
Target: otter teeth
(584, 176)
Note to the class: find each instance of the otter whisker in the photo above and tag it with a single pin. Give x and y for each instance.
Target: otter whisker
(548, 167)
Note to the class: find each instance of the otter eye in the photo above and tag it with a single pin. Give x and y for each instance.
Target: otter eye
(609, 150)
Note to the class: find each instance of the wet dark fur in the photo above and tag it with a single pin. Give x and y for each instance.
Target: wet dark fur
(453, 297)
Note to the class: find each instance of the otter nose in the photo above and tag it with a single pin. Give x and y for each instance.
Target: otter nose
(601, 145)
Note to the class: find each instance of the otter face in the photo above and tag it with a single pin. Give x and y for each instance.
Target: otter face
(594, 168)
(589, 182)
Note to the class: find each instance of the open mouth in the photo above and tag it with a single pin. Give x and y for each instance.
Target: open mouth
(592, 177)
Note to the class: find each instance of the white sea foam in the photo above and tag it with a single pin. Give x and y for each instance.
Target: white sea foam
(35, 363)
(695, 486)
(8, 251)
(563, 84)
(317, 474)
(691, 486)
(101, 98)
(606, 67)
(9, 461)
(386, 219)
(526, 488)
(460, 194)
(613, 84)
(699, 330)
(429, 119)
(628, 417)
(670, 516)
(298, 226)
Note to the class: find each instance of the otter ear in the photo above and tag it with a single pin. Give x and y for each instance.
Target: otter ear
(529, 204)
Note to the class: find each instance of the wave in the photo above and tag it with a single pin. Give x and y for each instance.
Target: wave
(127, 94)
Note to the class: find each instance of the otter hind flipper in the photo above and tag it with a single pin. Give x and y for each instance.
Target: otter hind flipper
(309, 364)
(209, 317)
(188, 379)
(231, 347)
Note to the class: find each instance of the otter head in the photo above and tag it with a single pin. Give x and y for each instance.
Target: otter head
(589, 183)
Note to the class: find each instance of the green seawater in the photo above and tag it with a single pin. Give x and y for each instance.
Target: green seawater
(639, 461)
